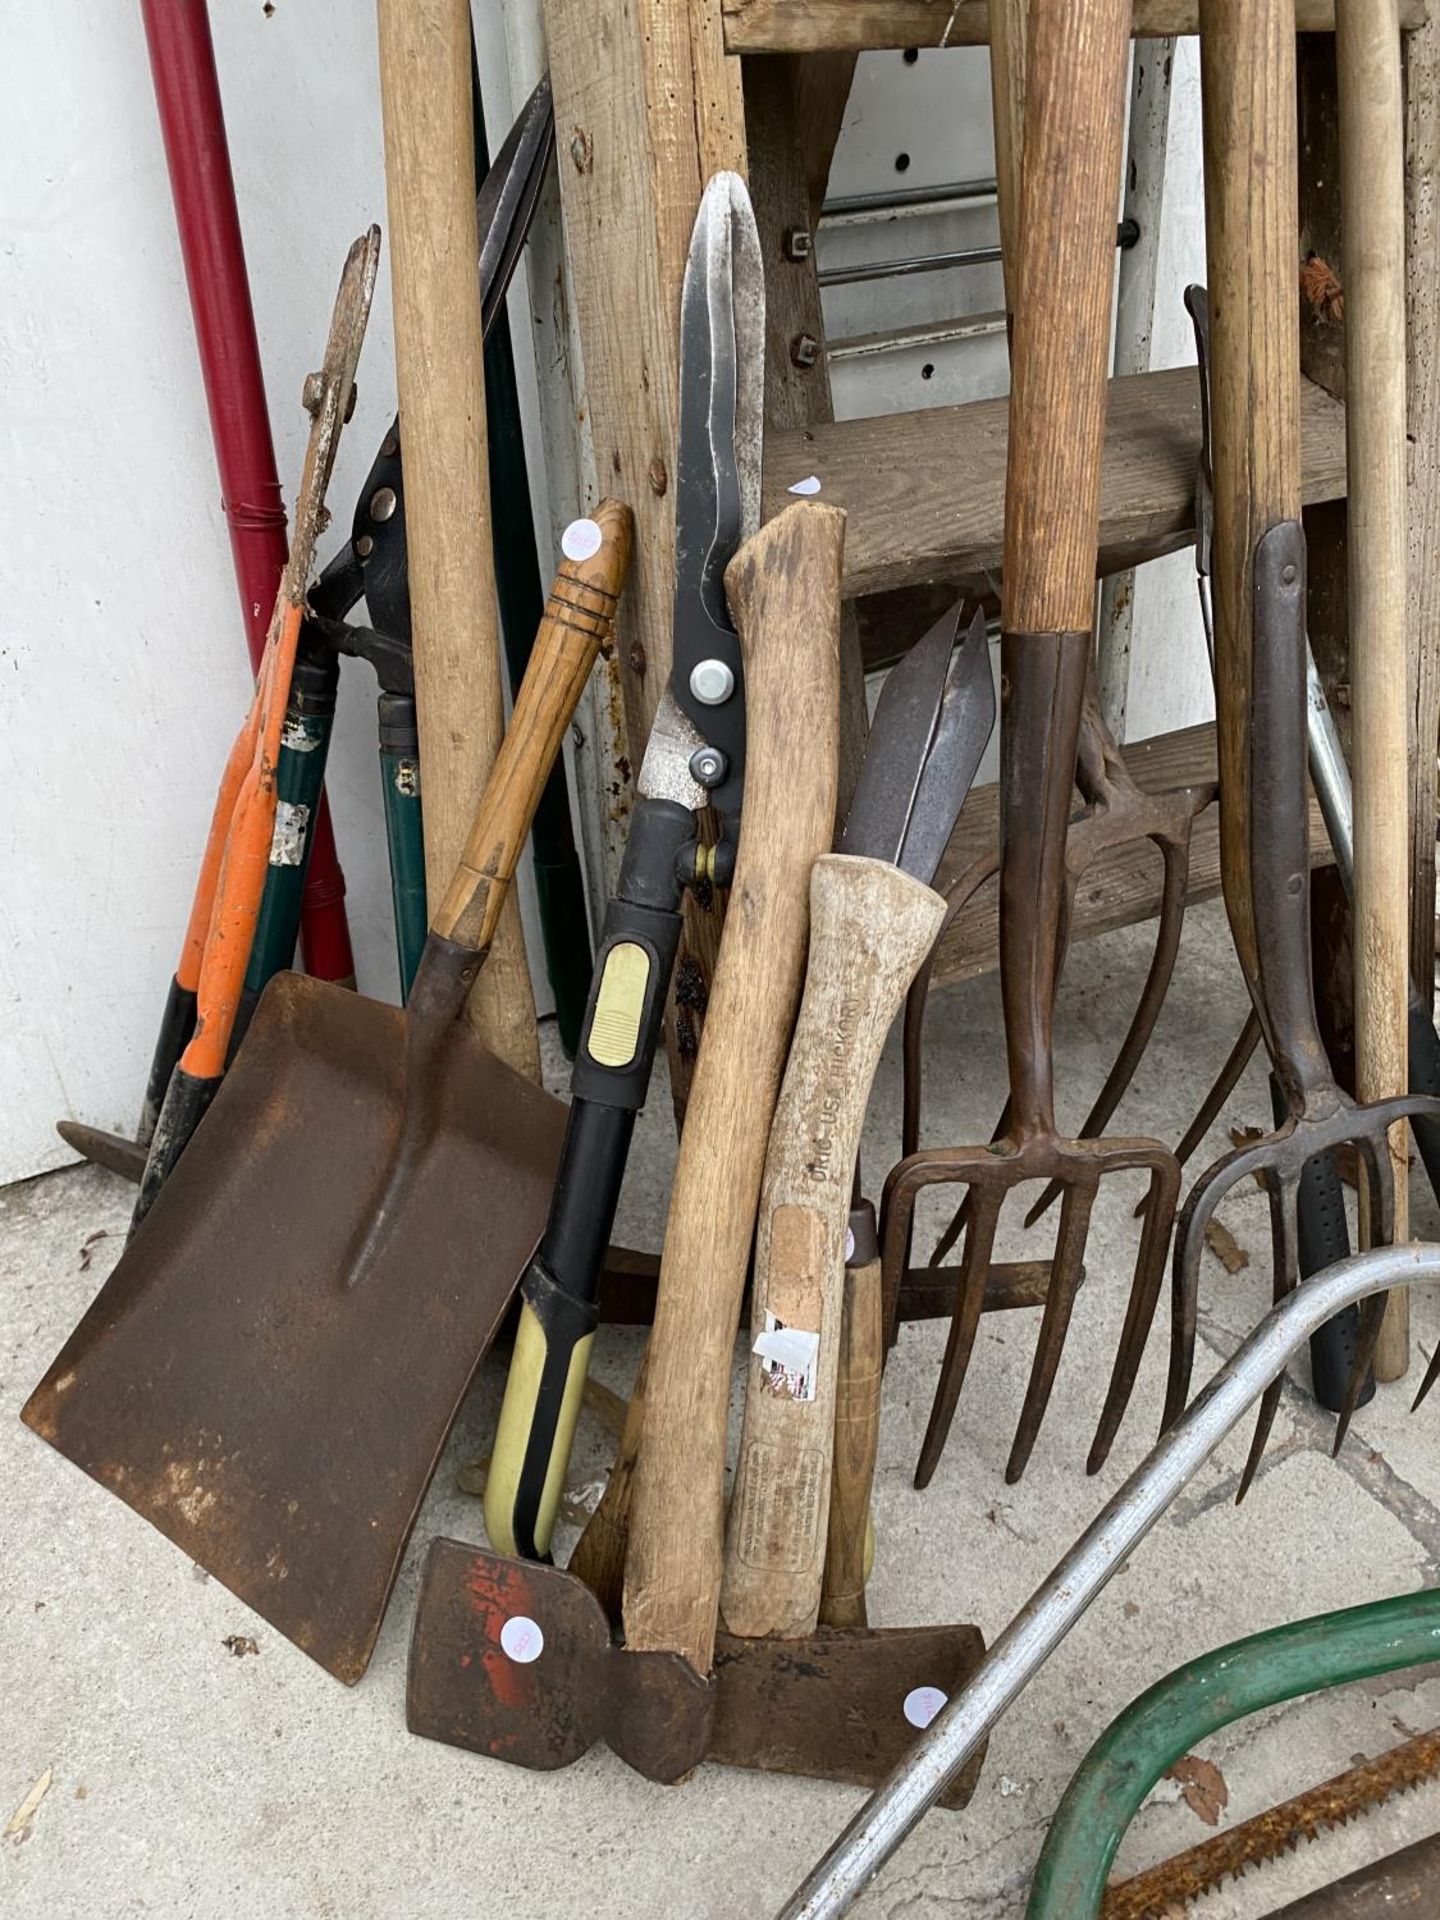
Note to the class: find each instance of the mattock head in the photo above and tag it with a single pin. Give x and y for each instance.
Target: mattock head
(989, 1174)
(1278, 1161)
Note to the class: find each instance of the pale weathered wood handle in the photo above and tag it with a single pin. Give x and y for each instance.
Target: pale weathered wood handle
(1372, 210)
(576, 623)
(1247, 52)
(1075, 76)
(428, 118)
(857, 1441)
(870, 927)
(784, 590)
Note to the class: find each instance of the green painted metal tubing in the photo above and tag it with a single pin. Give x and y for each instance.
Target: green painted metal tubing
(404, 830)
(299, 781)
(1196, 1700)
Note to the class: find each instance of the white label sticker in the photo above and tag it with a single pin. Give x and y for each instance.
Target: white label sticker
(581, 540)
(788, 1359)
(522, 1639)
(808, 487)
(923, 1703)
(287, 844)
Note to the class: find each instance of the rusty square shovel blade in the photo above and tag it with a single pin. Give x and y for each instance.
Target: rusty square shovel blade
(268, 1406)
(515, 1660)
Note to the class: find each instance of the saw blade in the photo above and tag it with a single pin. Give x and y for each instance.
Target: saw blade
(1279, 1830)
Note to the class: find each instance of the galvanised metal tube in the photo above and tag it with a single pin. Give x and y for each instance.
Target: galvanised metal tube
(882, 1824)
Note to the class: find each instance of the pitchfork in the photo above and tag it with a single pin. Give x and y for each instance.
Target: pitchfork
(1074, 117)
(1260, 661)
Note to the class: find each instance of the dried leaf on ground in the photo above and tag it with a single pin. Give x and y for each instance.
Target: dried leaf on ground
(1246, 1137)
(87, 1250)
(17, 1827)
(1202, 1786)
(1226, 1248)
(240, 1644)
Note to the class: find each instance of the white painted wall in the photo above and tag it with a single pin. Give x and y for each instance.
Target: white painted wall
(122, 666)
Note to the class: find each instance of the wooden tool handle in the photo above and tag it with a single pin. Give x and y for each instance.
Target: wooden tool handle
(784, 590)
(1075, 78)
(1007, 95)
(1372, 203)
(857, 1440)
(424, 48)
(576, 622)
(1247, 51)
(870, 927)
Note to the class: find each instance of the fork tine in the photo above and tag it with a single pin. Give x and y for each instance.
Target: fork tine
(962, 1215)
(964, 1324)
(1176, 855)
(1281, 1192)
(1225, 1084)
(1140, 1313)
(1065, 1268)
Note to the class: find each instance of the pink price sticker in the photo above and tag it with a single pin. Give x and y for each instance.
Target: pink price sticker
(581, 540)
(522, 1639)
(923, 1703)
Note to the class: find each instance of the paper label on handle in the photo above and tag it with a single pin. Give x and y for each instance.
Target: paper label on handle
(581, 540)
(522, 1639)
(789, 1359)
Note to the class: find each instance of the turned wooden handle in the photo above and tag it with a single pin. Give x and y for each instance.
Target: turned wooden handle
(870, 927)
(784, 591)
(1076, 64)
(1247, 53)
(577, 621)
(427, 113)
(1007, 96)
(1372, 206)
(857, 1441)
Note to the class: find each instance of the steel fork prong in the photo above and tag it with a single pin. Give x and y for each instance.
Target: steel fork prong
(1225, 1083)
(1176, 855)
(1281, 1190)
(1065, 1268)
(1160, 1200)
(964, 1324)
(1201, 1203)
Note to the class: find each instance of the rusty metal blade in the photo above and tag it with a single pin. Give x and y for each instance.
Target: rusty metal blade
(277, 1422)
(513, 1659)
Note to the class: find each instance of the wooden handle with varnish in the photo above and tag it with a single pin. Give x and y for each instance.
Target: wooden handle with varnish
(577, 620)
(871, 925)
(784, 592)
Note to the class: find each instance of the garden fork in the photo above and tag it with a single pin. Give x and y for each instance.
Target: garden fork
(1260, 662)
(1074, 121)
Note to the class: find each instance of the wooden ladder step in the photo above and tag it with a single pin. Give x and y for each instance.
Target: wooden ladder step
(1123, 886)
(925, 492)
(855, 26)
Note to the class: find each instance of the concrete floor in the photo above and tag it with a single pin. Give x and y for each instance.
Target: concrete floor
(185, 1779)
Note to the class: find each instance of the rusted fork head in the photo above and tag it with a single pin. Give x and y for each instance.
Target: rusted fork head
(1045, 679)
(1076, 1167)
(1320, 1117)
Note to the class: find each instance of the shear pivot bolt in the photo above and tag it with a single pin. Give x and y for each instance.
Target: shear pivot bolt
(711, 682)
(707, 766)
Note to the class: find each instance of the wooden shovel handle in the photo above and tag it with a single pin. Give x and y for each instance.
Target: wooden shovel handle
(576, 623)
(871, 925)
(784, 590)
(1075, 79)
(240, 883)
(1247, 53)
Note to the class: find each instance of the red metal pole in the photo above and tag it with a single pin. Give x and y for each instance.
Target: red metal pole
(192, 123)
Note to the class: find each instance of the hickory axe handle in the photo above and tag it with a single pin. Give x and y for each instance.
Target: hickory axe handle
(784, 592)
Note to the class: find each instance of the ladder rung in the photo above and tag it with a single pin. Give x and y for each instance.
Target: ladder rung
(853, 26)
(925, 491)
